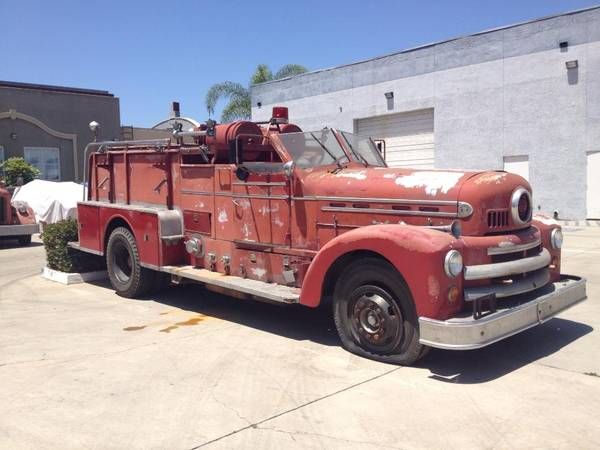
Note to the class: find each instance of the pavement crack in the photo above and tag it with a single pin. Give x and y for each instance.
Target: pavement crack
(235, 411)
(296, 408)
(589, 374)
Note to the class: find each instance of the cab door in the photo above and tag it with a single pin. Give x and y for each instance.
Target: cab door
(261, 204)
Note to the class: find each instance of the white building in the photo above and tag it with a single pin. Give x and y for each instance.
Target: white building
(523, 98)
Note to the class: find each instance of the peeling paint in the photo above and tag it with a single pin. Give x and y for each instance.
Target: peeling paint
(432, 181)
(264, 210)
(433, 288)
(246, 231)
(258, 272)
(222, 218)
(361, 175)
(491, 178)
(504, 244)
(389, 175)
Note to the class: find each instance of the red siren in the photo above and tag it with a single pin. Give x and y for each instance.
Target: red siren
(280, 114)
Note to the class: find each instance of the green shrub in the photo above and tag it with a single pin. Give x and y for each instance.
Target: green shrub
(15, 168)
(60, 256)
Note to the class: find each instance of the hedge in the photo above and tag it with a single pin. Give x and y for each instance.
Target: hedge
(15, 168)
(59, 256)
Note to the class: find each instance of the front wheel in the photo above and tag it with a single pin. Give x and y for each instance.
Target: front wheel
(125, 271)
(374, 313)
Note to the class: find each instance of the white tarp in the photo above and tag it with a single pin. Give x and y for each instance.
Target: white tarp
(49, 200)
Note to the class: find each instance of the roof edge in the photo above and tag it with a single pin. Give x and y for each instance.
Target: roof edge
(432, 44)
(52, 88)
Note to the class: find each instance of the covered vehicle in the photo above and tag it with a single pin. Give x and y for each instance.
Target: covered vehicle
(50, 201)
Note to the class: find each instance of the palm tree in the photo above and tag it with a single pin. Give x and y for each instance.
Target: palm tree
(239, 105)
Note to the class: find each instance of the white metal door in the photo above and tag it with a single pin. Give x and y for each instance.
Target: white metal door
(409, 137)
(593, 185)
(517, 164)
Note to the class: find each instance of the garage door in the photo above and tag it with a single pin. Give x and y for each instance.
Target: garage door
(408, 137)
(593, 185)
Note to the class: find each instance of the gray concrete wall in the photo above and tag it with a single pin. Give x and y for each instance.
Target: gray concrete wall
(495, 94)
(63, 112)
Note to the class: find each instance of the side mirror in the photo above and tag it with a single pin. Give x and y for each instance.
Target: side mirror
(288, 169)
(242, 173)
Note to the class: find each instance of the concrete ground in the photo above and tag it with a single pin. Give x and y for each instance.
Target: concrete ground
(83, 368)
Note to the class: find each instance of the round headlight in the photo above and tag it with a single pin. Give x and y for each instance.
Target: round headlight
(520, 206)
(453, 263)
(556, 238)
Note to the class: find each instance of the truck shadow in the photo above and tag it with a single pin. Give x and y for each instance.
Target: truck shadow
(501, 358)
(291, 321)
(316, 325)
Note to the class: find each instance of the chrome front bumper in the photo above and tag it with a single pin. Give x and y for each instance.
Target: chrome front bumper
(513, 316)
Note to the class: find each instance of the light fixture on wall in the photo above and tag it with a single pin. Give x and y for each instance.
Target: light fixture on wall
(389, 97)
(94, 126)
(13, 135)
(259, 104)
(572, 64)
(564, 46)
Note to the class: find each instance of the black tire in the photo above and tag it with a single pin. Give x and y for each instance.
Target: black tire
(374, 313)
(24, 240)
(126, 274)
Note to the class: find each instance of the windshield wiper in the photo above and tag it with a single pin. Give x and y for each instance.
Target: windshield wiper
(335, 160)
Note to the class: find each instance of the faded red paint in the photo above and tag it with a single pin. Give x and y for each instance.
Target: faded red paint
(269, 223)
(10, 215)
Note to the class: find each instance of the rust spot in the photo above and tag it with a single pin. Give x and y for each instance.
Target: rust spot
(168, 329)
(140, 327)
(190, 322)
(433, 287)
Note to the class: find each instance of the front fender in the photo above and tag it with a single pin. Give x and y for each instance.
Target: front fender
(416, 252)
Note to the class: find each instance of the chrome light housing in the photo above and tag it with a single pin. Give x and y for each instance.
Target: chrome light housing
(520, 206)
(453, 263)
(556, 238)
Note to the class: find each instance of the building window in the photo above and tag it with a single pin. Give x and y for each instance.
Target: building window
(46, 159)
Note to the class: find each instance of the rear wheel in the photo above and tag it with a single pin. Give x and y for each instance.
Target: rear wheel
(24, 240)
(126, 274)
(374, 313)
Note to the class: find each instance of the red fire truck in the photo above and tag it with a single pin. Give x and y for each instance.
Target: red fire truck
(409, 259)
(16, 223)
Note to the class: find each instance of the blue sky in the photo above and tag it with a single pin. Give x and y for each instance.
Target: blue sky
(150, 53)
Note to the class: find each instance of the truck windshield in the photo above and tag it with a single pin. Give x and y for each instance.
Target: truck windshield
(320, 148)
(313, 149)
(363, 149)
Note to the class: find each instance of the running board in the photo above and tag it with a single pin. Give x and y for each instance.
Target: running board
(268, 291)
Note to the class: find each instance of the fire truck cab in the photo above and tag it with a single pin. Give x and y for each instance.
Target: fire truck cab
(409, 259)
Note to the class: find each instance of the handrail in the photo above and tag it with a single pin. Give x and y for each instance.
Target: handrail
(189, 133)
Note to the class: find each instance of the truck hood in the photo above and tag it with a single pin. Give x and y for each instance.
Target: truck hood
(430, 197)
(385, 182)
